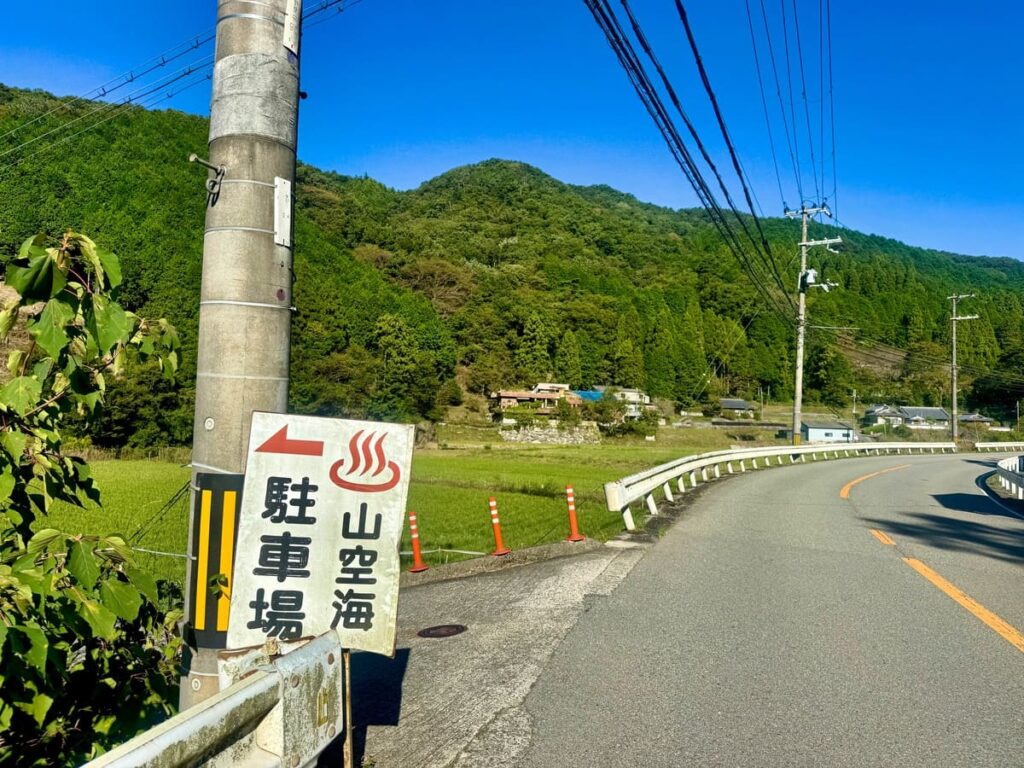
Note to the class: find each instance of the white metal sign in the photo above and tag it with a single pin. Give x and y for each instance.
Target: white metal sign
(319, 531)
(292, 25)
(282, 212)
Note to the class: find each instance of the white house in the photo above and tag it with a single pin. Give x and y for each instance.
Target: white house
(826, 432)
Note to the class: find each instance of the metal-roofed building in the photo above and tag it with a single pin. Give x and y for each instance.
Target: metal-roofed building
(826, 432)
(919, 417)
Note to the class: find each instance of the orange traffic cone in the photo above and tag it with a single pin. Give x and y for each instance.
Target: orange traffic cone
(574, 528)
(499, 545)
(417, 556)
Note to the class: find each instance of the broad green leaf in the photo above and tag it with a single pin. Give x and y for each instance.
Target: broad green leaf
(7, 483)
(101, 620)
(6, 712)
(144, 582)
(82, 565)
(38, 645)
(40, 280)
(40, 706)
(112, 265)
(102, 725)
(14, 360)
(122, 599)
(42, 369)
(14, 443)
(21, 394)
(49, 328)
(88, 250)
(42, 539)
(7, 318)
(33, 246)
(111, 323)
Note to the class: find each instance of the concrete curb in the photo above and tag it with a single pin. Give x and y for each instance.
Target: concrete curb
(489, 564)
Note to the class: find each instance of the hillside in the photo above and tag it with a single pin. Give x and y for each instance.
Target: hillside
(497, 274)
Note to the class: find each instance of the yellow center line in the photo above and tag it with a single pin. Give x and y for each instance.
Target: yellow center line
(844, 493)
(993, 622)
(882, 537)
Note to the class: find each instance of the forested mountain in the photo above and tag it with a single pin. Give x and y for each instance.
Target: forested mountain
(496, 274)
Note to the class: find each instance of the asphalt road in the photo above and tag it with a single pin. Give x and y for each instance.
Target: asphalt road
(771, 627)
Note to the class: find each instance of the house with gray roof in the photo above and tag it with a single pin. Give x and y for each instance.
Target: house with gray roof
(737, 407)
(919, 417)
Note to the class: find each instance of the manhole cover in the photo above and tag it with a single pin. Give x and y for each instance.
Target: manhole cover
(442, 630)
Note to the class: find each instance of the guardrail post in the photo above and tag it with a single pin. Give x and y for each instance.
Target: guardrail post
(780, 461)
(627, 518)
(693, 479)
(652, 505)
(803, 458)
(1020, 493)
(718, 472)
(743, 466)
(754, 462)
(668, 493)
(728, 467)
(704, 474)
(792, 458)
(681, 484)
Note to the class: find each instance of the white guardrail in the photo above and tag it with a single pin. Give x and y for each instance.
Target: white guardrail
(1011, 475)
(270, 712)
(620, 494)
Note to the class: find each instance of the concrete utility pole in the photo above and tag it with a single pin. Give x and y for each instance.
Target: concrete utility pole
(807, 278)
(246, 298)
(955, 319)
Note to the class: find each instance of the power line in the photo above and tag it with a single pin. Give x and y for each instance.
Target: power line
(151, 65)
(142, 96)
(831, 102)
(624, 52)
(116, 112)
(782, 106)
(136, 96)
(792, 105)
(768, 257)
(807, 108)
(764, 104)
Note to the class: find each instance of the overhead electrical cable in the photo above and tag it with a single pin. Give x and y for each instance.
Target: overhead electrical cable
(792, 103)
(147, 95)
(821, 89)
(807, 106)
(134, 97)
(831, 103)
(133, 75)
(767, 256)
(782, 106)
(154, 99)
(767, 260)
(623, 49)
(764, 104)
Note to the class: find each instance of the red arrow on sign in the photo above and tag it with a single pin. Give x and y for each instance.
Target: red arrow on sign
(279, 443)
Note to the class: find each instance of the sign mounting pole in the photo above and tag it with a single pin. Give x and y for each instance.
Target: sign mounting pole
(246, 297)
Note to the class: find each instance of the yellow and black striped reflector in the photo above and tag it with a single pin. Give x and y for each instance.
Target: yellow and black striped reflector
(214, 533)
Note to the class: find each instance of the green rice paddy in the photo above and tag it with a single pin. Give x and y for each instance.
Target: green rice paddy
(449, 492)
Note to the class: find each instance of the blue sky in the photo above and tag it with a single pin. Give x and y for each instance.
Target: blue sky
(929, 98)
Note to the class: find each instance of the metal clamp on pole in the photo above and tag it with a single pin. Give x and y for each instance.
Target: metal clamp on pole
(212, 185)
